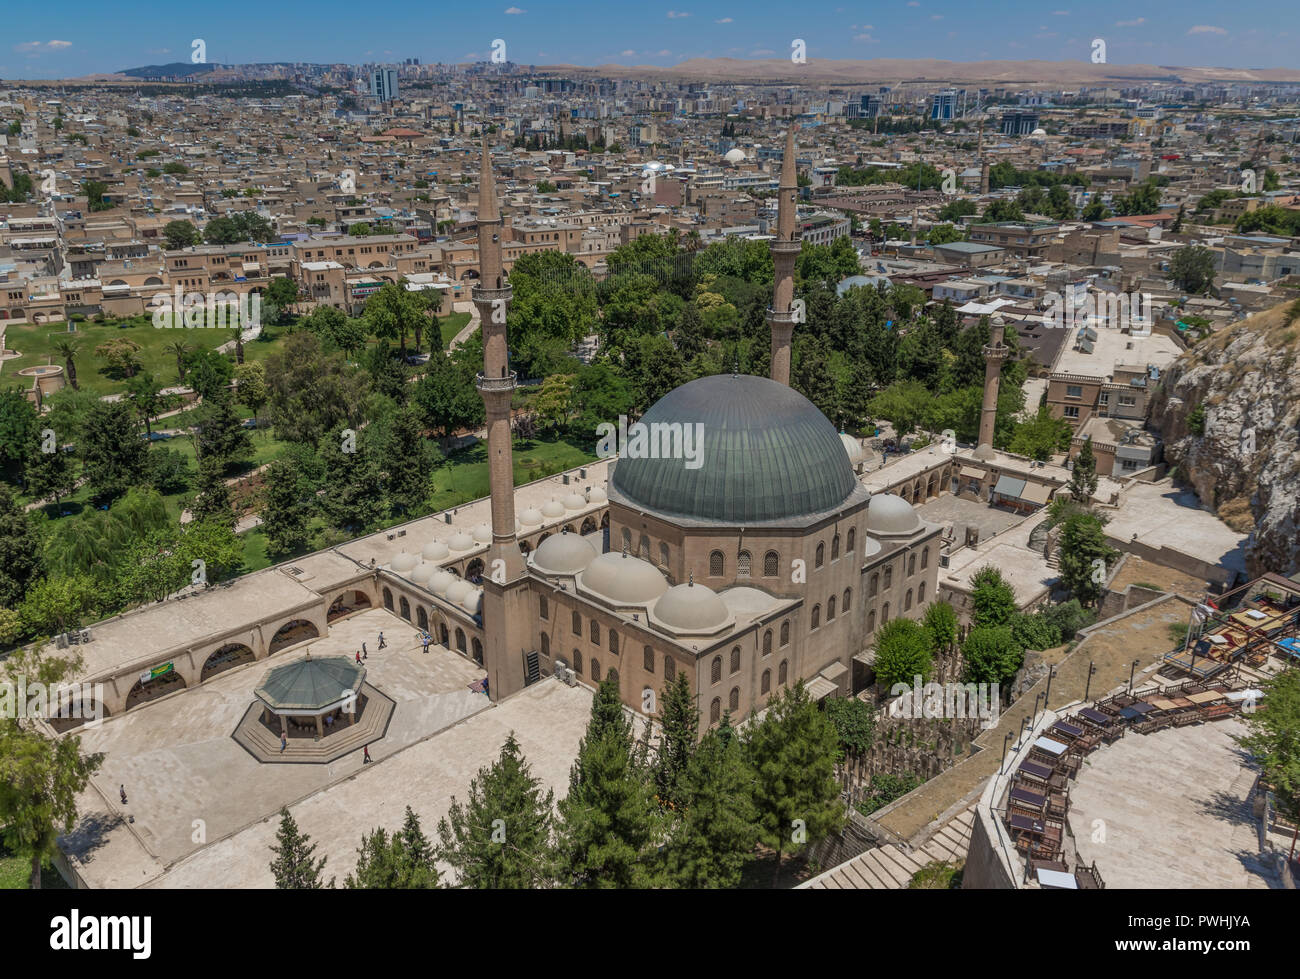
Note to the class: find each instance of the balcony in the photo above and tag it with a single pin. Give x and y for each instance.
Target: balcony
(506, 383)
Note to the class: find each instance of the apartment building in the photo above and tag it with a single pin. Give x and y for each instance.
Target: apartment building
(1019, 238)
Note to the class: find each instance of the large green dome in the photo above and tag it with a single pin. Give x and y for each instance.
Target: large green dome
(767, 454)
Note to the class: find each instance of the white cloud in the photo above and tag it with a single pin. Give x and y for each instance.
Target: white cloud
(675, 14)
(629, 53)
(663, 54)
(39, 47)
(515, 10)
(865, 39)
(725, 20)
(936, 16)
(1207, 29)
(1131, 23)
(913, 3)
(60, 44)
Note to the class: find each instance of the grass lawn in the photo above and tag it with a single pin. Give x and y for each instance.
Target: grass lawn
(464, 474)
(451, 325)
(16, 872)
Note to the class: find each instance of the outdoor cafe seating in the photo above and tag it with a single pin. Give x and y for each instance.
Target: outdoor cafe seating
(1027, 802)
(1109, 727)
(1037, 838)
(1054, 753)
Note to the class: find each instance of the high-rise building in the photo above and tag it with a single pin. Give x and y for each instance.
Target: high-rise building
(383, 84)
(1020, 122)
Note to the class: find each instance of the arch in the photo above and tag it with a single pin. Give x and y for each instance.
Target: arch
(771, 564)
(930, 488)
(889, 577)
(920, 593)
(670, 669)
(785, 633)
(733, 699)
(229, 656)
(544, 609)
(821, 554)
(405, 609)
(925, 557)
(577, 662)
(783, 672)
(663, 554)
(644, 552)
(851, 540)
(460, 639)
(568, 528)
(767, 643)
(765, 685)
(478, 650)
(595, 632)
(735, 659)
(816, 616)
(474, 571)
(715, 671)
(884, 613)
(907, 601)
(648, 659)
(542, 538)
(835, 547)
(627, 540)
(575, 625)
(844, 605)
(588, 526)
(830, 609)
(604, 520)
(905, 493)
(873, 587)
(525, 548)
(595, 669)
(422, 619)
(612, 676)
(871, 621)
(352, 600)
(715, 711)
(911, 565)
(613, 642)
(143, 693)
(76, 710)
(546, 645)
(742, 565)
(717, 564)
(388, 599)
(443, 635)
(293, 631)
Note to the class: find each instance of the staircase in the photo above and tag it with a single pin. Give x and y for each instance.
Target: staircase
(890, 868)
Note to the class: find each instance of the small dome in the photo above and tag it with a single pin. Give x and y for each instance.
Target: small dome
(458, 590)
(441, 581)
(435, 550)
(623, 579)
(423, 572)
(736, 155)
(691, 608)
(473, 601)
(597, 495)
(552, 508)
(890, 514)
(531, 517)
(563, 554)
(574, 502)
(404, 561)
(461, 541)
(853, 447)
(483, 534)
(1039, 132)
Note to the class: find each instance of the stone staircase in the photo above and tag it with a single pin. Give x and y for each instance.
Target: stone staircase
(891, 867)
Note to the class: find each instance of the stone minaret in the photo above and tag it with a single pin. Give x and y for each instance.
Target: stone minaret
(504, 594)
(994, 354)
(785, 249)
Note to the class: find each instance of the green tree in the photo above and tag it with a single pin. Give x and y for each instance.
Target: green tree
(1083, 477)
(1042, 436)
(1086, 557)
(902, 653)
(792, 752)
(354, 490)
(213, 501)
(679, 720)
(405, 459)
(58, 604)
(991, 654)
(1273, 738)
(501, 837)
(180, 234)
(1192, 269)
(940, 625)
(993, 600)
(294, 865)
(67, 349)
(555, 399)
(392, 313)
(20, 551)
(113, 455)
(19, 432)
(220, 433)
(251, 389)
(312, 392)
(49, 474)
(855, 723)
(289, 502)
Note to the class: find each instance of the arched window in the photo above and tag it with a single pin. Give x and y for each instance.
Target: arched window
(783, 672)
(648, 659)
(663, 555)
(715, 671)
(785, 633)
(884, 613)
(627, 540)
(546, 608)
(595, 632)
(742, 565)
(577, 661)
(911, 565)
(595, 669)
(816, 616)
(765, 685)
(422, 619)
(546, 644)
(715, 711)
(821, 555)
(767, 643)
(577, 624)
(478, 651)
(852, 538)
(925, 557)
(388, 599)
(442, 634)
(406, 609)
(844, 605)
(889, 577)
(874, 587)
(670, 669)
(717, 564)
(460, 640)
(613, 642)
(871, 621)
(907, 601)
(835, 547)
(771, 564)
(645, 548)
(733, 701)
(920, 592)
(613, 676)
(830, 609)
(735, 659)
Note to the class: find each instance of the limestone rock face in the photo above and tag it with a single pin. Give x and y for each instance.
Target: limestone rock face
(1244, 383)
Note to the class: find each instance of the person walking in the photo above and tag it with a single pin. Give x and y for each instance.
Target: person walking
(365, 755)
(382, 644)
(358, 657)
(364, 653)
(284, 742)
(121, 789)
(425, 640)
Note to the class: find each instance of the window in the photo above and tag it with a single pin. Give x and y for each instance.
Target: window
(1071, 411)
(920, 592)
(546, 644)
(785, 633)
(884, 613)
(388, 599)
(595, 632)
(715, 672)
(648, 660)
(889, 577)
(406, 609)
(545, 608)
(835, 547)
(871, 621)
(911, 565)
(663, 555)
(1127, 401)
(735, 659)
(816, 616)
(613, 642)
(460, 640)
(715, 711)
(765, 685)
(907, 601)
(925, 557)
(767, 643)
(830, 609)
(627, 539)
(848, 545)
(577, 624)
(613, 676)
(844, 606)
(733, 700)
(874, 587)
(742, 565)
(1074, 391)
(783, 672)
(645, 548)
(821, 555)
(717, 564)
(771, 563)
(670, 669)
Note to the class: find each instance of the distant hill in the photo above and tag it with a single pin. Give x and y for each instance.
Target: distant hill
(178, 68)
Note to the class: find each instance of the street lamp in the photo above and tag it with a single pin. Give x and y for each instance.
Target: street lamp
(1092, 669)
(1048, 695)
(1131, 670)
(1005, 741)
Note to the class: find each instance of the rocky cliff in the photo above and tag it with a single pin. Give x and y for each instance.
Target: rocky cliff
(1228, 410)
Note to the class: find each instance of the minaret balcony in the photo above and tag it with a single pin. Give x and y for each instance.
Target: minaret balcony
(486, 295)
(999, 352)
(506, 383)
(782, 316)
(782, 247)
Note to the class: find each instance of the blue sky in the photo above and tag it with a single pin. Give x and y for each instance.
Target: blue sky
(49, 40)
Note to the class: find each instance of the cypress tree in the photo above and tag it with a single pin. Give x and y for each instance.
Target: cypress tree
(294, 867)
(680, 724)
